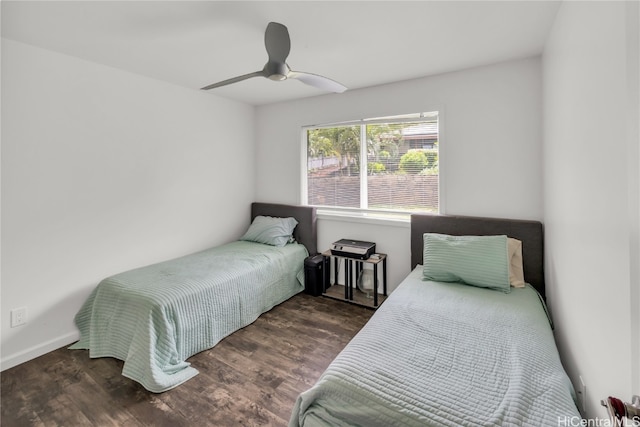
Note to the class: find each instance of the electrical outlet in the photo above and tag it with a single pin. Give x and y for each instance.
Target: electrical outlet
(18, 316)
(582, 395)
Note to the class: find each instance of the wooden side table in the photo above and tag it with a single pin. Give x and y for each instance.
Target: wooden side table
(353, 267)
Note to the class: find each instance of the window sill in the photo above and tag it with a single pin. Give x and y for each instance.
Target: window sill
(380, 218)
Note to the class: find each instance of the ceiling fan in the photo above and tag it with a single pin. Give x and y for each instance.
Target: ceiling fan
(278, 44)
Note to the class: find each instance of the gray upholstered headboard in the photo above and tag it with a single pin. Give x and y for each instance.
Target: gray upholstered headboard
(529, 232)
(305, 232)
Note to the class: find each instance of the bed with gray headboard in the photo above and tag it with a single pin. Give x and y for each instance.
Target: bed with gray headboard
(530, 233)
(306, 231)
(155, 317)
(450, 353)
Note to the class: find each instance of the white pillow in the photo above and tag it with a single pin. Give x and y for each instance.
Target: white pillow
(516, 271)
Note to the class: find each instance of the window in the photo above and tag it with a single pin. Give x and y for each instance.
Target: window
(383, 164)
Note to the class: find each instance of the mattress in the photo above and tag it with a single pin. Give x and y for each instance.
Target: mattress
(445, 354)
(155, 317)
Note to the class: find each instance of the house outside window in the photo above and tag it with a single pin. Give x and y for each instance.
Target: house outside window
(385, 164)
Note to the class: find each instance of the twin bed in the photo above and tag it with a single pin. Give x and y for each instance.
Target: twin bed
(442, 353)
(155, 317)
(436, 353)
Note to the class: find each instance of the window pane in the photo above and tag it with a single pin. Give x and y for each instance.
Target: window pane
(401, 165)
(402, 172)
(333, 165)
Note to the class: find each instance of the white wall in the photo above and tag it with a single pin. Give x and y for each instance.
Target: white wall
(633, 139)
(490, 146)
(103, 171)
(591, 195)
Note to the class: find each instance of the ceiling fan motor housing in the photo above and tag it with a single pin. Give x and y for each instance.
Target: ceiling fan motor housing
(276, 70)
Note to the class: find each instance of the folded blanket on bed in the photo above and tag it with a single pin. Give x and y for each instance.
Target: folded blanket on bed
(157, 316)
(445, 354)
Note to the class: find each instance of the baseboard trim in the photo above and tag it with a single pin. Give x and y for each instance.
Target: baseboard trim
(38, 350)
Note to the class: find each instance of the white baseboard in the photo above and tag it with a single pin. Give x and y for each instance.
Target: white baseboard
(38, 350)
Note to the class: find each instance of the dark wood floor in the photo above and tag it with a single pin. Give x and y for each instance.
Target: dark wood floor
(251, 378)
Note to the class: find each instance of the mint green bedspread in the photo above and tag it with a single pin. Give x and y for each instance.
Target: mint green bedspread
(445, 354)
(155, 317)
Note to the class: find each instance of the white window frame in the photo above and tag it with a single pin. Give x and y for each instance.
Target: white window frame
(363, 213)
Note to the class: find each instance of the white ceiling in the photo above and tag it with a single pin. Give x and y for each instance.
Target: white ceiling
(357, 43)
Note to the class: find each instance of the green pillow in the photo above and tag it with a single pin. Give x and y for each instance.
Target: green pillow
(272, 231)
(481, 261)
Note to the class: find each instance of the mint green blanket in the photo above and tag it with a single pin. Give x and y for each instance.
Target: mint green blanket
(155, 317)
(445, 354)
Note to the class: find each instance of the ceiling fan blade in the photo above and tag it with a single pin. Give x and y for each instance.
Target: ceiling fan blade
(277, 42)
(260, 73)
(315, 80)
